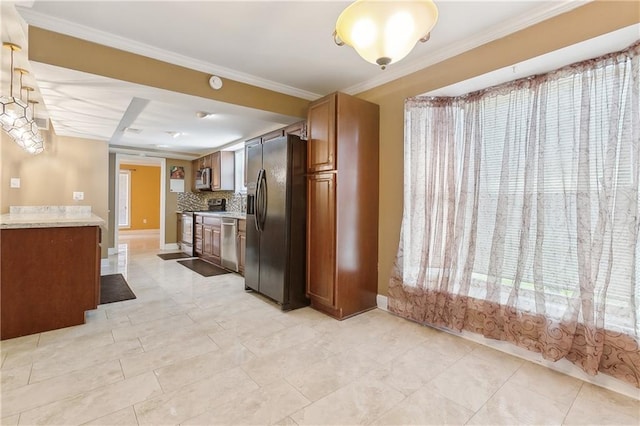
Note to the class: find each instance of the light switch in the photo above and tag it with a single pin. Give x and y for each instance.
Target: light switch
(78, 196)
(15, 182)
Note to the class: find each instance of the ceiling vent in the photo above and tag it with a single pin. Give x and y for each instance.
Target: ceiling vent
(42, 123)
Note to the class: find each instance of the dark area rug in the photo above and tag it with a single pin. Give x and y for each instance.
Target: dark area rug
(171, 256)
(114, 288)
(203, 268)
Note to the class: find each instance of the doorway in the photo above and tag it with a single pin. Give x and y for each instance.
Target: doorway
(118, 181)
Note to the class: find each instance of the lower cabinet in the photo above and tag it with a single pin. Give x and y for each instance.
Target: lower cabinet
(321, 259)
(50, 277)
(241, 243)
(207, 240)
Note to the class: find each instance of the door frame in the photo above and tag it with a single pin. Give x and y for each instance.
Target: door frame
(143, 161)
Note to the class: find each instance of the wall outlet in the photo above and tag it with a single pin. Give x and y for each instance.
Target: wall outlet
(15, 182)
(78, 196)
(144, 220)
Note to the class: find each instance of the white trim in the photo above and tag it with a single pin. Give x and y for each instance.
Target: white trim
(62, 26)
(562, 366)
(171, 246)
(163, 189)
(399, 70)
(382, 302)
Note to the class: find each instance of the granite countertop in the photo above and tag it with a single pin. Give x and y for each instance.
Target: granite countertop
(49, 217)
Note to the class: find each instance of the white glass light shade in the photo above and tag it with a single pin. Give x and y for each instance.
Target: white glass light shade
(383, 31)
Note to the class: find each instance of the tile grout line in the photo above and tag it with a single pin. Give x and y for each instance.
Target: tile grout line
(564, 419)
(493, 394)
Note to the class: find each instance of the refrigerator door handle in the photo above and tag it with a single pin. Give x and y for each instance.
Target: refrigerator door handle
(256, 216)
(263, 202)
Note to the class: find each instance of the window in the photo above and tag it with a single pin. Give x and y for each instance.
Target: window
(239, 158)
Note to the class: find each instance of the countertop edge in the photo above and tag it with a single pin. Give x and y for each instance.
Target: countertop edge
(9, 221)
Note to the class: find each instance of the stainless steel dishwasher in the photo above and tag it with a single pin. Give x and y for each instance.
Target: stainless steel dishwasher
(228, 250)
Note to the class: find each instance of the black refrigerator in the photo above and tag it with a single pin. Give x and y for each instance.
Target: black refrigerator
(276, 225)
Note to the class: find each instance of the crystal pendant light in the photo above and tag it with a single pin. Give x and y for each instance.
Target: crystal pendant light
(17, 116)
(15, 112)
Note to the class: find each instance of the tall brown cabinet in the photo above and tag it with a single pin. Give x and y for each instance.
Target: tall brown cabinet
(342, 205)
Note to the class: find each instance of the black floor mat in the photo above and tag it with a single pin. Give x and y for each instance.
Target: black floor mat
(205, 269)
(114, 288)
(171, 256)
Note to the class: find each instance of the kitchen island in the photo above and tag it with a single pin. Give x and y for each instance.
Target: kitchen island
(49, 268)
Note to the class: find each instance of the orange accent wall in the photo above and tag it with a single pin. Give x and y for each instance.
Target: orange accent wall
(145, 196)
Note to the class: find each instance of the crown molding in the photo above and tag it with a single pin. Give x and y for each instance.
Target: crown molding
(509, 27)
(41, 20)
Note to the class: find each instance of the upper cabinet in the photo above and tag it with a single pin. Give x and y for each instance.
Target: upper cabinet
(223, 168)
(321, 142)
(222, 164)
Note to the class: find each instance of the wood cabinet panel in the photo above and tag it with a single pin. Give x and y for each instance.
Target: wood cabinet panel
(321, 143)
(50, 277)
(207, 240)
(342, 215)
(321, 244)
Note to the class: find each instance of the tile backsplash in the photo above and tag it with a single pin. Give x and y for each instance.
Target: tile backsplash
(236, 202)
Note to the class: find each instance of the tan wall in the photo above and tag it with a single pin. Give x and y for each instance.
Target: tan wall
(69, 52)
(50, 178)
(583, 23)
(145, 196)
(171, 200)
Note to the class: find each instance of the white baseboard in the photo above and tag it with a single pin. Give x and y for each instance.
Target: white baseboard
(171, 246)
(562, 366)
(382, 302)
(125, 232)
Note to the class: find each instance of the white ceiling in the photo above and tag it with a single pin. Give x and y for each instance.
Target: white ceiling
(283, 46)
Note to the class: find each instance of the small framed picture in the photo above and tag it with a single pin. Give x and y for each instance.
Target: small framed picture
(177, 172)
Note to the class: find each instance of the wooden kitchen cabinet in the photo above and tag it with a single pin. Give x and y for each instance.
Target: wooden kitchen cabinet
(321, 220)
(241, 244)
(210, 240)
(342, 205)
(299, 129)
(321, 128)
(223, 166)
(50, 277)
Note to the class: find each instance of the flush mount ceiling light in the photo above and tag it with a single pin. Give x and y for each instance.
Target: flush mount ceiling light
(202, 114)
(174, 134)
(384, 31)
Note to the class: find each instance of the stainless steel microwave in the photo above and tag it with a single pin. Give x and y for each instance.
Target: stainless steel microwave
(203, 179)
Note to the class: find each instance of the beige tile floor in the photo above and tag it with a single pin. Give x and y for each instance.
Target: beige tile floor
(195, 350)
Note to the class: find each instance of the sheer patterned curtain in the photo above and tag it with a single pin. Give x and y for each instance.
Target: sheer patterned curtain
(521, 215)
